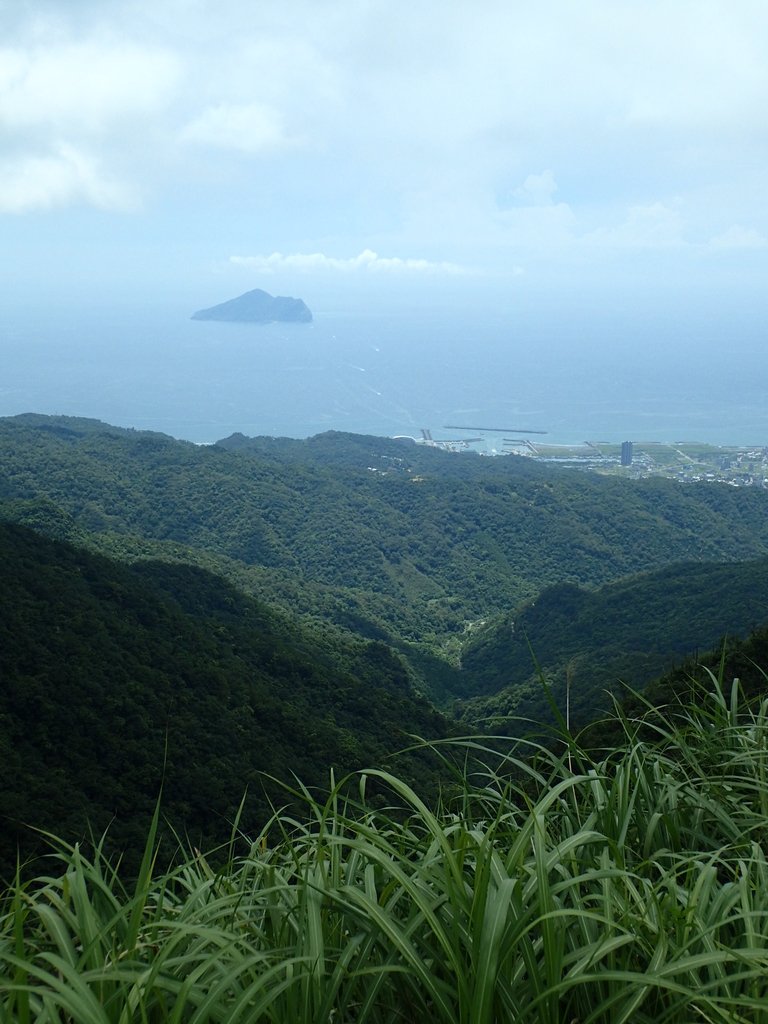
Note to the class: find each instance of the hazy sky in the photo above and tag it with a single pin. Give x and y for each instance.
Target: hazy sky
(599, 147)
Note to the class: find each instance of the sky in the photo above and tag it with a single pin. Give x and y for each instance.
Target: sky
(608, 153)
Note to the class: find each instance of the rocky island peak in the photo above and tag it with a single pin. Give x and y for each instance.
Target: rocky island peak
(258, 307)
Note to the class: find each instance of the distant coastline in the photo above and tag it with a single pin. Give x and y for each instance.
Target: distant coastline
(153, 368)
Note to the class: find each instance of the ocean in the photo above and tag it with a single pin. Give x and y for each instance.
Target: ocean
(386, 373)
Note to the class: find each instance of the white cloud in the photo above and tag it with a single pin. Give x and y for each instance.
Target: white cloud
(66, 176)
(529, 217)
(538, 227)
(86, 87)
(73, 111)
(648, 226)
(398, 125)
(250, 128)
(738, 237)
(367, 261)
(537, 189)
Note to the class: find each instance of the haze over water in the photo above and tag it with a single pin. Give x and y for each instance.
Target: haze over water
(545, 217)
(389, 372)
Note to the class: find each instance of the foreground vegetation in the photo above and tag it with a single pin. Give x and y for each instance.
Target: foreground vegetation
(552, 885)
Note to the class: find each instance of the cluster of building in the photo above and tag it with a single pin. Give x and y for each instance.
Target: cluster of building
(687, 461)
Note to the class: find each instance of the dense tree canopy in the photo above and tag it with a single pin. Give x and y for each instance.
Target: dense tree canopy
(397, 540)
(201, 615)
(595, 641)
(117, 680)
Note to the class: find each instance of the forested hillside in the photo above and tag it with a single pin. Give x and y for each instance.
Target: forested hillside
(391, 540)
(115, 680)
(593, 641)
(270, 605)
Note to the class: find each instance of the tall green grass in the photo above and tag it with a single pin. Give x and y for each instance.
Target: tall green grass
(553, 886)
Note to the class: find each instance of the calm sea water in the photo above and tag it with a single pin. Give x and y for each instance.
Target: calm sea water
(385, 374)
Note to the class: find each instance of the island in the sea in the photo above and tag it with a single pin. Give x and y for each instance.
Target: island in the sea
(258, 307)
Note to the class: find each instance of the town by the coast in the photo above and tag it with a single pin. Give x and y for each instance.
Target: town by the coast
(686, 461)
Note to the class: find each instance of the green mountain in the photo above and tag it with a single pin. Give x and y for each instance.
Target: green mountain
(115, 679)
(739, 664)
(395, 541)
(120, 675)
(273, 605)
(592, 641)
